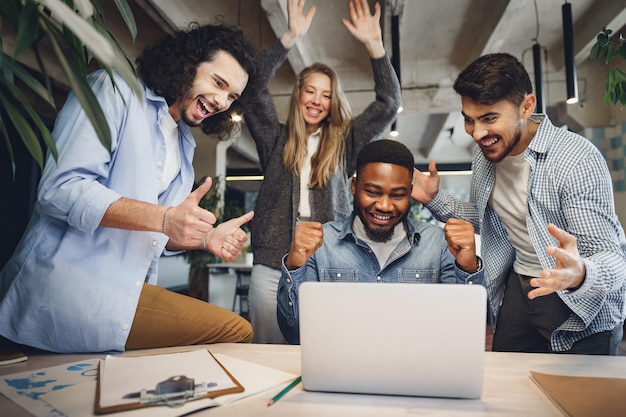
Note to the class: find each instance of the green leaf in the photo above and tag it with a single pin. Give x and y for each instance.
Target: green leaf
(611, 52)
(84, 94)
(10, 10)
(127, 15)
(603, 38)
(18, 97)
(30, 81)
(608, 80)
(119, 49)
(76, 54)
(27, 28)
(595, 52)
(27, 134)
(622, 95)
(102, 50)
(7, 143)
(615, 92)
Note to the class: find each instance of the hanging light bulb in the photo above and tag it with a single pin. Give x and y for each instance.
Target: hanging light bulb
(568, 48)
(541, 107)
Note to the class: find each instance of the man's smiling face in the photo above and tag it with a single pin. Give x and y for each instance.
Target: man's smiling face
(495, 128)
(382, 198)
(216, 86)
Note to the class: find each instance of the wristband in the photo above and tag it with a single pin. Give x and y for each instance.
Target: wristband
(164, 225)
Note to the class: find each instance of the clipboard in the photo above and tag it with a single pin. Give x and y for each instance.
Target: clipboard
(174, 379)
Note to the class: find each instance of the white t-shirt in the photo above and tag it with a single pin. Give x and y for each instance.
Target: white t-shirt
(382, 250)
(172, 162)
(508, 199)
(313, 142)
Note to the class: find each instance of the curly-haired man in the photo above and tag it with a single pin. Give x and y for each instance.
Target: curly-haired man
(83, 277)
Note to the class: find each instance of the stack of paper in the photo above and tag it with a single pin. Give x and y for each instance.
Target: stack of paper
(121, 379)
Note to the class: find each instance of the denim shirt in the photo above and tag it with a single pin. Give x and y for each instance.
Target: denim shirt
(423, 257)
(71, 285)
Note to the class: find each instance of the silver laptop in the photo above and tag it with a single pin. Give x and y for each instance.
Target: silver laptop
(394, 339)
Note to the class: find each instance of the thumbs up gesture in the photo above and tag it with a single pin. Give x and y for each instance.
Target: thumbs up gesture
(227, 240)
(188, 223)
(190, 226)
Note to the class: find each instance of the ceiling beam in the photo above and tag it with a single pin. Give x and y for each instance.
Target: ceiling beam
(506, 23)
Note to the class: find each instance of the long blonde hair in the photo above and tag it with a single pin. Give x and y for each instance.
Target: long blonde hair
(334, 128)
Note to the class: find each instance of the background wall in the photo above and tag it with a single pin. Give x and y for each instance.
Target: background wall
(611, 141)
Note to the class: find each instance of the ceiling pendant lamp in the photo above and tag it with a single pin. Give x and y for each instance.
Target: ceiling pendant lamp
(395, 62)
(568, 47)
(541, 106)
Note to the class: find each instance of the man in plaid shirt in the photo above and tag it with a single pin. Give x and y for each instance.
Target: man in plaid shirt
(542, 200)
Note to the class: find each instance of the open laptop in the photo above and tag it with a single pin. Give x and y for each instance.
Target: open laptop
(392, 338)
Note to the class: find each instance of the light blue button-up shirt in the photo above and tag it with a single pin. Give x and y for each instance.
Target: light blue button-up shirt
(570, 186)
(72, 286)
(423, 257)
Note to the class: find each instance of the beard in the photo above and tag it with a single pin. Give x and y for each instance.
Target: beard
(186, 119)
(516, 138)
(381, 235)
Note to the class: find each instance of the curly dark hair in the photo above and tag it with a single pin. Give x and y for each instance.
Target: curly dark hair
(387, 151)
(168, 67)
(492, 78)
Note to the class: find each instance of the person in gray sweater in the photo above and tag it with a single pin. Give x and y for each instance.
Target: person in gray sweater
(308, 161)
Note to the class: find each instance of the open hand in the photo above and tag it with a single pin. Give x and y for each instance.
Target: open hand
(570, 270)
(366, 27)
(299, 23)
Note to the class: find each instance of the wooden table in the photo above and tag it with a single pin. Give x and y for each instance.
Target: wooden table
(508, 390)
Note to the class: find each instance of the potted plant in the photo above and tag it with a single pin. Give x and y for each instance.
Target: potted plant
(75, 34)
(605, 50)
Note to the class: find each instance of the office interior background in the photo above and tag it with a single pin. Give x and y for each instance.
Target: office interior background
(429, 43)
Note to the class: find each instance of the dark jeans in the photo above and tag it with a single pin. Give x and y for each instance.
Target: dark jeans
(525, 325)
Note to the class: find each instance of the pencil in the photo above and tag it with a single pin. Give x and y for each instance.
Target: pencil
(284, 391)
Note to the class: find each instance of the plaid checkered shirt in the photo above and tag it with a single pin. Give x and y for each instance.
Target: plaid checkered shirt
(569, 185)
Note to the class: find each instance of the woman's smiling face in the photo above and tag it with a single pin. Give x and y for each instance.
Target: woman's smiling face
(315, 100)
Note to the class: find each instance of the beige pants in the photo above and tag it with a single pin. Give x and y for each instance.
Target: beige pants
(164, 318)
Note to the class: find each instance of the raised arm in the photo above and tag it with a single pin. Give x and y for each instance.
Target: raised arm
(259, 109)
(299, 23)
(366, 27)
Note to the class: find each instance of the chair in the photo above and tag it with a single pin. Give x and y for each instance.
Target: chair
(241, 291)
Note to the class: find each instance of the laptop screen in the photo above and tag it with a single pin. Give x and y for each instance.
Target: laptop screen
(393, 338)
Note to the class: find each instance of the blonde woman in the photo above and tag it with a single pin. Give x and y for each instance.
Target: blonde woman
(308, 161)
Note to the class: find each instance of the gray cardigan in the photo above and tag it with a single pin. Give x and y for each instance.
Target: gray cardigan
(277, 203)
